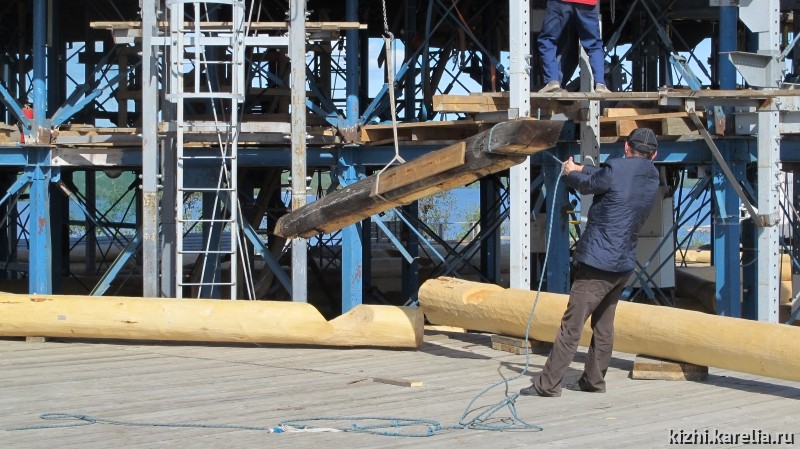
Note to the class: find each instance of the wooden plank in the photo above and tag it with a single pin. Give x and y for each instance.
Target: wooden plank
(435, 328)
(397, 381)
(660, 115)
(424, 166)
(652, 368)
(678, 127)
(628, 111)
(519, 346)
(469, 103)
(443, 131)
(35, 339)
(511, 341)
(262, 26)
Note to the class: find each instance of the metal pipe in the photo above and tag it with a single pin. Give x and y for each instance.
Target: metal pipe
(41, 249)
(728, 20)
(352, 42)
(150, 159)
(39, 64)
(297, 54)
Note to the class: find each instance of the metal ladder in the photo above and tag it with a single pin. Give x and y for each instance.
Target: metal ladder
(200, 50)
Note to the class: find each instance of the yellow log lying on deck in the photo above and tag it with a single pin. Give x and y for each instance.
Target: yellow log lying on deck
(766, 349)
(204, 320)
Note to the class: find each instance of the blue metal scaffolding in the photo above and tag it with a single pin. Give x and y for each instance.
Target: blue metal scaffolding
(447, 47)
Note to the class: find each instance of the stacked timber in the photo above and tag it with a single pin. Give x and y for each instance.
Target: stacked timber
(501, 147)
(765, 349)
(619, 122)
(206, 320)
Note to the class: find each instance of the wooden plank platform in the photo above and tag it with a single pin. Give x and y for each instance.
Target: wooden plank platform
(263, 385)
(498, 101)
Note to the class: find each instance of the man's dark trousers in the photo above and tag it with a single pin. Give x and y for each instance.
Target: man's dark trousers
(596, 293)
(587, 20)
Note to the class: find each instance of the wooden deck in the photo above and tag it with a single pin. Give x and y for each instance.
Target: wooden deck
(261, 386)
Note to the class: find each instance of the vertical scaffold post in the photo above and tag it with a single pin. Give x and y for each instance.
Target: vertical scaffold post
(520, 177)
(150, 156)
(297, 54)
(769, 138)
(39, 157)
(726, 229)
(352, 243)
(727, 234)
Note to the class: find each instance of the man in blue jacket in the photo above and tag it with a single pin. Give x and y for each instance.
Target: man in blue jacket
(624, 191)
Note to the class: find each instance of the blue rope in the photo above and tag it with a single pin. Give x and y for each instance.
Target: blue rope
(482, 420)
(382, 425)
(86, 420)
(432, 427)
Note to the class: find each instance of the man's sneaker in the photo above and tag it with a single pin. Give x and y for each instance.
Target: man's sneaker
(581, 386)
(553, 87)
(532, 391)
(601, 88)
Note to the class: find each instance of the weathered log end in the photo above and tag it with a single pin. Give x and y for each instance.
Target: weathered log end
(529, 138)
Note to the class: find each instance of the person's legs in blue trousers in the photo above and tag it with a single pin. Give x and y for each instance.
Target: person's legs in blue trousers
(556, 18)
(587, 20)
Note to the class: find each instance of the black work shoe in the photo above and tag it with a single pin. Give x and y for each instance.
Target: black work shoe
(532, 391)
(581, 386)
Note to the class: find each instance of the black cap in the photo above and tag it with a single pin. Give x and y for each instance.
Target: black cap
(643, 140)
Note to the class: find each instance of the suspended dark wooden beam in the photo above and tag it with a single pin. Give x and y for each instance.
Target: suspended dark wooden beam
(504, 145)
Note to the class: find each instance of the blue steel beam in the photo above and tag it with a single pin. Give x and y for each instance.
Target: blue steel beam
(727, 231)
(410, 266)
(18, 186)
(381, 100)
(265, 254)
(395, 241)
(73, 105)
(41, 258)
(11, 103)
(41, 251)
(352, 103)
(490, 247)
(728, 36)
(669, 153)
(447, 12)
(349, 172)
(125, 255)
(557, 203)
(91, 217)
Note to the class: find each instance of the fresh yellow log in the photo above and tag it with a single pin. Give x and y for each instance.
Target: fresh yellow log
(766, 349)
(205, 320)
(704, 257)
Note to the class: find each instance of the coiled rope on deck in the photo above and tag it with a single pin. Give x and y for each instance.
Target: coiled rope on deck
(485, 420)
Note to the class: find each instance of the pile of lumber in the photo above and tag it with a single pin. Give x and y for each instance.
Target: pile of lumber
(619, 122)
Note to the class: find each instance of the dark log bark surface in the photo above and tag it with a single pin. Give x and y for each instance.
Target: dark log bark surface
(505, 145)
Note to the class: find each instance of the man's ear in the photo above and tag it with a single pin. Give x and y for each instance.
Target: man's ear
(653, 157)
